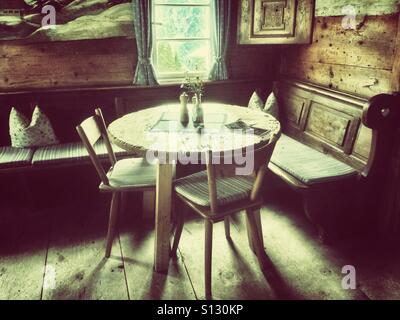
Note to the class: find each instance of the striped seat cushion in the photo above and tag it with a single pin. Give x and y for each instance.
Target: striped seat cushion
(15, 157)
(229, 189)
(71, 152)
(308, 165)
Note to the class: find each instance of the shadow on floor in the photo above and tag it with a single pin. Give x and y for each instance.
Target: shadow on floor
(298, 266)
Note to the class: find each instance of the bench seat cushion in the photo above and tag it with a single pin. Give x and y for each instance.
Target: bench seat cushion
(15, 157)
(71, 152)
(308, 165)
(229, 189)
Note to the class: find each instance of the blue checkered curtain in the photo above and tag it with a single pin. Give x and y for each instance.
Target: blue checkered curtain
(222, 9)
(142, 12)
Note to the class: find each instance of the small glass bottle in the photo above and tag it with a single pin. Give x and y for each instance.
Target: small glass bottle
(184, 113)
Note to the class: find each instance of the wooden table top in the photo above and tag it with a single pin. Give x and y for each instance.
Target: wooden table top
(133, 132)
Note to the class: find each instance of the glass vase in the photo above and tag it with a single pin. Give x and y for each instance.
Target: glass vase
(198, 115)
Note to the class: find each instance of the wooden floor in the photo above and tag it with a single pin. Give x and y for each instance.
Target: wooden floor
(58, 254)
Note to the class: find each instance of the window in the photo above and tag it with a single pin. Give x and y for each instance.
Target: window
(182, 32)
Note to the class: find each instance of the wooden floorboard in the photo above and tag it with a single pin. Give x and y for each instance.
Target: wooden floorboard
(58, 254)
(377, 266)
(76, 259)
(137, 244)
(306, 269)
(23, 247)
(235, 270)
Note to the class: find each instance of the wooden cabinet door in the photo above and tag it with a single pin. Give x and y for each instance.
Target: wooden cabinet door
(275, 21)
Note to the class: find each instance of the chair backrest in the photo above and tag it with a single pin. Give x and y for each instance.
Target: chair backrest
(91, 131)
(222, 166)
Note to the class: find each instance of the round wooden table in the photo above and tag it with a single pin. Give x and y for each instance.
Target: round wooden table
(142, 133)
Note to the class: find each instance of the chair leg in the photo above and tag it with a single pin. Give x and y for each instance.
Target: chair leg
(112, 222)
(227, 228)
(208, 257)
(149, 204)
(257, 219)
(255, 236)
(180, 219)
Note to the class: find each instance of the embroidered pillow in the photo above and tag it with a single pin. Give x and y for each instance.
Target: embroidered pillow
(37, 133)
(256, 102)
(271, 106)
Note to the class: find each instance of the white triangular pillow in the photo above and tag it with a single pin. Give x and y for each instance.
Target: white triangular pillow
(39, 132)
(271, 105)
(255, 102)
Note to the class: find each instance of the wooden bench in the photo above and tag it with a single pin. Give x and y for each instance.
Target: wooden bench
(20, 165)
(333, 152)
(17, 160)
(66, 108)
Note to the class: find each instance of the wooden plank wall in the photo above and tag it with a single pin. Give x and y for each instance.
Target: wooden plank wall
(396, 63)
(108, 62)
(326, 8)
(66, 64)
(361, 61)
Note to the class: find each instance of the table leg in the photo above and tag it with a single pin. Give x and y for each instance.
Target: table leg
(257, 218)
(163, 217)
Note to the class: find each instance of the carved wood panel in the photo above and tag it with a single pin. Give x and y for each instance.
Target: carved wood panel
(328, 124)
(274, 18)
(275, 21)
(294, 107)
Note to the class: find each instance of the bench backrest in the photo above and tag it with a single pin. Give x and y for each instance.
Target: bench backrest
(326, 120)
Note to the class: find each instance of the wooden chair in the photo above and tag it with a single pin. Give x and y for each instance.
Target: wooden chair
(133, 174)
(217, 193)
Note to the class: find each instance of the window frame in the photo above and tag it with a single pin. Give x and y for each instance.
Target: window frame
(176, 77)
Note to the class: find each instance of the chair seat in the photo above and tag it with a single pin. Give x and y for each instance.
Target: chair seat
(134, 173)
(15, 157)
(229, 189)
(71, 152)
(308, 165)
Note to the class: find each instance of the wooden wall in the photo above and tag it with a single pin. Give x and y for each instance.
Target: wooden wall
(363, 61)
(66, 64)
(109, 62)
(332, 8)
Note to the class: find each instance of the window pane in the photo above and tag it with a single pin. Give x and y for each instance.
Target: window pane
(182, 22)
(182, 56)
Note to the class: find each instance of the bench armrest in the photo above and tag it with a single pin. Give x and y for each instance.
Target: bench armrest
(382, 112)
(382, 115)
